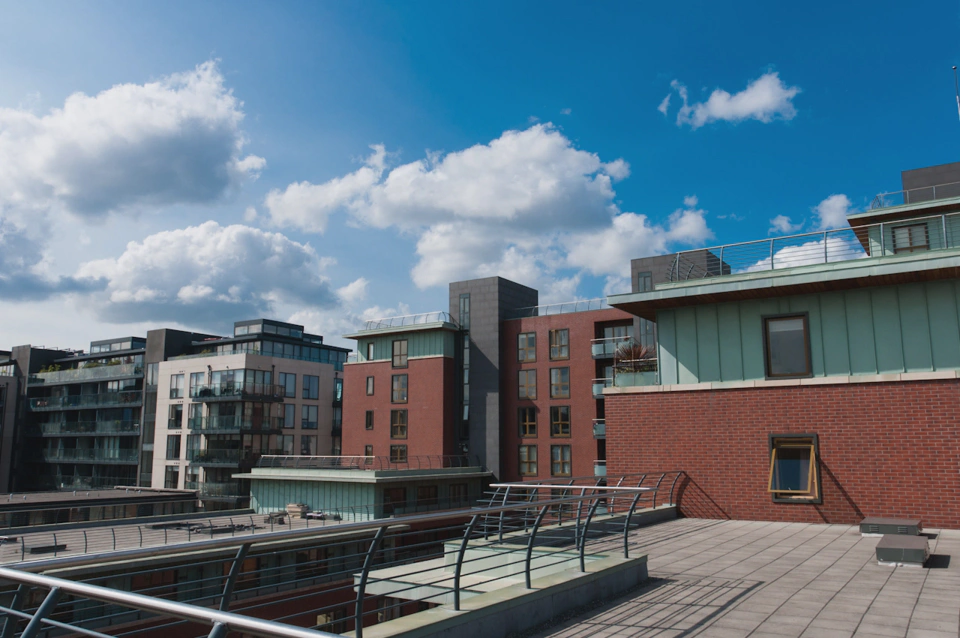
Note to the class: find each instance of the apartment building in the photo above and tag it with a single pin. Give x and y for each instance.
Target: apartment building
(811, 377)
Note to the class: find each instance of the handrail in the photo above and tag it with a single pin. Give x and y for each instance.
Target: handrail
(420, 462)
(904, 197)
(579, 305)
(436, 316)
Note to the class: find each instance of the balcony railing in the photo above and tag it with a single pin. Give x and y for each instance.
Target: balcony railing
(409, 320)
(599, 385)
(80, 401)
(936, 232)
(74, 428)
(599, 428)
(607, 347)
(217, 457)
(367, 462)
(633, 379)
(916, 195)
(215, 490)
(237, 391)
(599, 468)
(234, 423)
(559, 308)
(89, 373)
(80, 455)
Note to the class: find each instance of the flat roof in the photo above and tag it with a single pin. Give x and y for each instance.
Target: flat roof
(41, 500)
(419, 327)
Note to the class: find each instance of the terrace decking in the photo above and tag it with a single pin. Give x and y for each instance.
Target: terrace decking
(733, 579)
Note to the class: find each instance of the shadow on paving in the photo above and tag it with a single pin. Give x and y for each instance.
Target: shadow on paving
(673, 607)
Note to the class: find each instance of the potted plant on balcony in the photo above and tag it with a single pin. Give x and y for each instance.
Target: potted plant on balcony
(633, 364)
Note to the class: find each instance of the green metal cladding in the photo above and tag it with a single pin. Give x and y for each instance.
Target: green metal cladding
(890, 329)
(419, 344)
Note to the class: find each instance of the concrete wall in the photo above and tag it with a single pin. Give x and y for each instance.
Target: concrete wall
(889, 329)
(885, 449)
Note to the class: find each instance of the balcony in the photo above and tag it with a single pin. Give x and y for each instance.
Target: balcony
(216, 457)
(236, 391)
(86, 401)
(227, 424)
(606, 348)
(83, 455)
(632, 379)
(89, 373)
(90, 428)
(215, 490)
(599, 429)
(599, 468)
(599, 385)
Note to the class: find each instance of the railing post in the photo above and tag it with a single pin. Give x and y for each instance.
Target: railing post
(626, 524)
(881, 239)
(10, 624)
(656, 489)
(771, 254)
(530, 542)
(54, 545)
(362, 586)
(232, 578)
(45, 609)
(825, 260)
(460, 555)
(586, 528)
(219, 631)
(506, 495)
(114, 532)
(721, 262)
(675, 479)
(943, 225)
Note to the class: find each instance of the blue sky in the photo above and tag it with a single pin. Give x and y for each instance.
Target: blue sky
(218, 164)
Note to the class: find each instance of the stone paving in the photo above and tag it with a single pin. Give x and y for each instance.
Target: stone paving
(733, 579)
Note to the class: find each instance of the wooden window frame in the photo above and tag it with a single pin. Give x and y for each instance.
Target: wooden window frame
(559, 389)
(813, 493)
(395, 389)
(368, 455)
(559, 347)
(395, 454)
(527, 353)
(528, 464)
(764, 323)
(569, 460)
(368, 420)
(400, 359)
(527, 426)
(524, 386)
(370, 386)
(398, 424)
(557, 423)
(370, 350)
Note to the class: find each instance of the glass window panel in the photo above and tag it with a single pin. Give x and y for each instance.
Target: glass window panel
(787, 352)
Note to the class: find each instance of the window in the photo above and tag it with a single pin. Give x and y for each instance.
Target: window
(559, 344)
(153, 373)
(176, 386)
(308, 417)
(400, 353)
(794, 471)
(369, 351)
(398, 424)
(527, 418)
(337, 391)
(289, 416)
(398, 453)
(289, 383)
(175, 419)
(528, 460)
(527, 347)
(644, 281)
(559, 383)
(427, 495)
(399, 394)
(171, 477)
(465, 311)
(308, 445)
(195, 416)
(311, 387)
(787, 346)
(908, 239)
(369, 386)
(196, 381)
(560, 420)
(527, 384)
(394, 497)
(173, 447)
(458, 493)
(368, 452)
(560, 460)
(368, 422)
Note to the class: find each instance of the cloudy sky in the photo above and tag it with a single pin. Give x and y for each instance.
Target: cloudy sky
(191, 164)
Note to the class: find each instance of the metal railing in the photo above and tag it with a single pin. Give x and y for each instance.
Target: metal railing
(599, 428)
(419, 462)
(237, 423)
(83, 455)
(88, 373)
(74, 428)
(102, 400)
(936, 232)
(409, 320)
(215, 490)
(599, 385)
(916, 195)
(606, 347)
(237, 390)
(581, 305)
(342, 577)
(217, 456)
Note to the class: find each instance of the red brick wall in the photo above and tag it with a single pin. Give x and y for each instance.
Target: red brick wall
(430, 407)
(886, 449)
(583, 407)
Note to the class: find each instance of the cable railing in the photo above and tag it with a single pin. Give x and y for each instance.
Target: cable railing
(580, 305)
(418, 462)
(409, 320)
(88, 373)
(916, 195)
(229, 390)
(334, 579)
(101, 400)
(936, 232)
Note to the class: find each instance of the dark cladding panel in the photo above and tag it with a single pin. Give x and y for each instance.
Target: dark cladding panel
(931, 182)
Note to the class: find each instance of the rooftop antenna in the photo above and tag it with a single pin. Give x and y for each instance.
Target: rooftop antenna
(956, 86)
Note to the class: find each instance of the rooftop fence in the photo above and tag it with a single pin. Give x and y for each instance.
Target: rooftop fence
(916, 195)
(581, 305)
(409, 320)
(419, 462)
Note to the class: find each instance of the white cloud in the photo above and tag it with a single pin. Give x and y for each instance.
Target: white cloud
(839, 247)
(207, 273)
(665, 104)
(765, 99)
(832, 212)
(616, 285)
(354, 292)
(171, 141)
(566, 111)
(781, 224)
